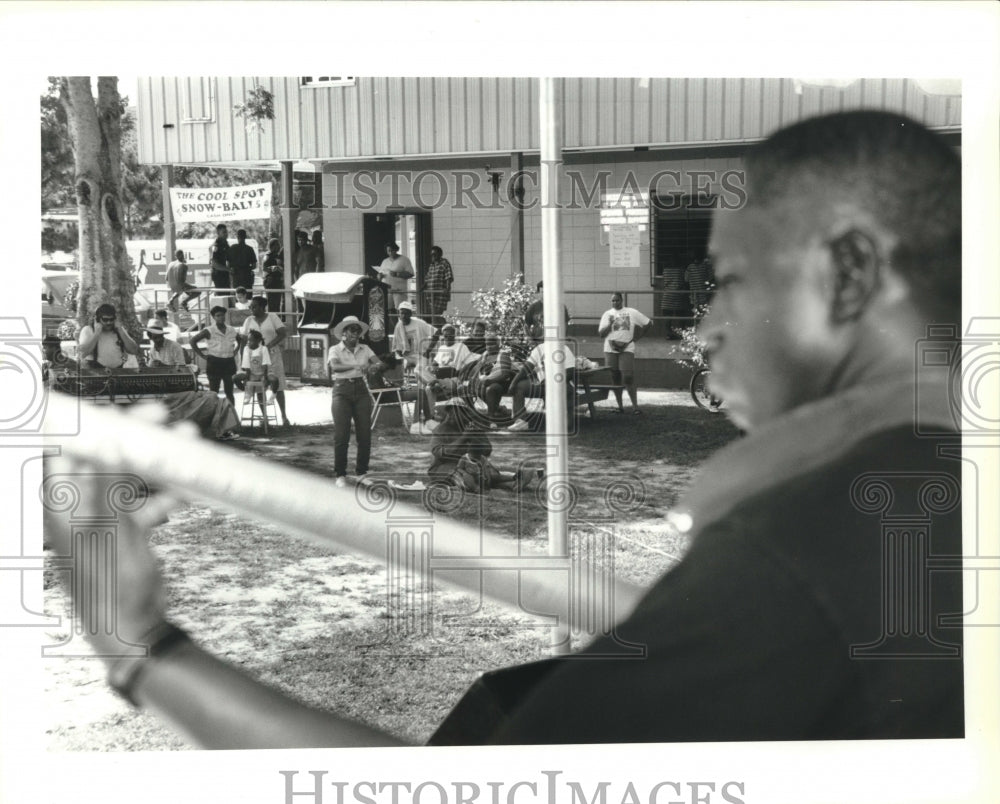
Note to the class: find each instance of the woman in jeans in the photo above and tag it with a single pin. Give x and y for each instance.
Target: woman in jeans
(348, 361)
(220, 365)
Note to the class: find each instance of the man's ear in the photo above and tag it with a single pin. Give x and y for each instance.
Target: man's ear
(857, 264)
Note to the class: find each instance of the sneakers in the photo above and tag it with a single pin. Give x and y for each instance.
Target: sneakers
(340, 482)
(518, 426)
(364, 479)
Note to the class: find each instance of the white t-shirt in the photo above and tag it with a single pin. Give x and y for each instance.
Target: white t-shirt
(456, 356)
(254, 360)
(623, 323)
(537, 359)
(397, 284)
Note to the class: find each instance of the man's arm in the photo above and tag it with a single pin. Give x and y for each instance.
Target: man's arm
(604, 328)
(128, 343)
(88, 340)
(212, 703)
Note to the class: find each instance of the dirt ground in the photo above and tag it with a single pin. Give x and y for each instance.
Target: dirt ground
(324, 625)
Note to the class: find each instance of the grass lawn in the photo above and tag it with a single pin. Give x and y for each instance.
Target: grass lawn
(327, 627)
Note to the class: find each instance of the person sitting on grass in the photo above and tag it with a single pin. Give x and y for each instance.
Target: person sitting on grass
(529, 381)
(461, 450)
(255, 364)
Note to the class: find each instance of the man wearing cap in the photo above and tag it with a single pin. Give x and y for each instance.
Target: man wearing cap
(348, 361)
(396, 271)
(411, 340)
(412, 336)
(164, 352)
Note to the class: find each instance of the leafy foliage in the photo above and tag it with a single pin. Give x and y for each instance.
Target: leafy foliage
(68, 330)
(503, 309)
(692, 346)
(259, 107)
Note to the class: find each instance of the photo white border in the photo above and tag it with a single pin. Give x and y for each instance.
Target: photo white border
(690, 39)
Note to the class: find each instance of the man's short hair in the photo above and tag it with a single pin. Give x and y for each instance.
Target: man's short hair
(220, 227)
(905, 176)
(262, 300)
(105, 309)
(217, 308)
(242, 290)
(160, 314)
(241, 233)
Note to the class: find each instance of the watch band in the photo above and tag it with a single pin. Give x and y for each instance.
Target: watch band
(124, 674)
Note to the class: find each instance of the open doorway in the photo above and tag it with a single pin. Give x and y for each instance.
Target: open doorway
(411, 229)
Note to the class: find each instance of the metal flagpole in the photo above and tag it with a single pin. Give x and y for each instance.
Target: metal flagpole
(550, 123)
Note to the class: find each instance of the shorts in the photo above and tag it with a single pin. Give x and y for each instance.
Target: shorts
(620, 361)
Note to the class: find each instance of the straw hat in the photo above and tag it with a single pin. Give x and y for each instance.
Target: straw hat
(346, 321)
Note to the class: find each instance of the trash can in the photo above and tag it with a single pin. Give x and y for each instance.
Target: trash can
(327, 297)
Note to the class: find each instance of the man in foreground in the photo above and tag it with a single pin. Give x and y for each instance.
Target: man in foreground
(784, 620)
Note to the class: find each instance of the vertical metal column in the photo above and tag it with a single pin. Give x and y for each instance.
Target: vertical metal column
(516, 200)
(550, 123)
(169, 225)
(288, 217)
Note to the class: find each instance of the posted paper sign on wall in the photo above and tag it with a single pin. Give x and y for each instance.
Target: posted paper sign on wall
(624, 241)
(249, 202)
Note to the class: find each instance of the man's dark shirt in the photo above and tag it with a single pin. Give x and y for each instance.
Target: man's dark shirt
(243, 261)
(774, 626)
(220, 254)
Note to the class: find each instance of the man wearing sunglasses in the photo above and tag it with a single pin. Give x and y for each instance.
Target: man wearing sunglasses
(104, 344)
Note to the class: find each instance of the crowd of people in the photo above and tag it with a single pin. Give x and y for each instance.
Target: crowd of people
(779, 623)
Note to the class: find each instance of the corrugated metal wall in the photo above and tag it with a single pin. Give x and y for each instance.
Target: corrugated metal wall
(191, 119)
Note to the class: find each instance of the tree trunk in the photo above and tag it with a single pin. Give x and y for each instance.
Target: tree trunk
(95, 133)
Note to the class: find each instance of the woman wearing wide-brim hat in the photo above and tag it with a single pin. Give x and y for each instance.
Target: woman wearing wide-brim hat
(347, 362)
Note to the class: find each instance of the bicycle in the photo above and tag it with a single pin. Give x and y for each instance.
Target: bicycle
(702, 397)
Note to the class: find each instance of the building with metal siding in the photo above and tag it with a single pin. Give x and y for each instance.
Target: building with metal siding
(190, 120)
(627, 129)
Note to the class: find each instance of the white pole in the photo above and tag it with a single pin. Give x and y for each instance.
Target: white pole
(550, 122)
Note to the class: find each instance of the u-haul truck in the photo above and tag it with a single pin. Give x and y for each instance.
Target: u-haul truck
(150, 261)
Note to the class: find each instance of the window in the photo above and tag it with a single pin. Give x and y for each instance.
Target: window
(327, 81)
(197, 100)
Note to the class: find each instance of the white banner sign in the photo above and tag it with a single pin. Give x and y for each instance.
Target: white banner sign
(625, 245)
(221, 203)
